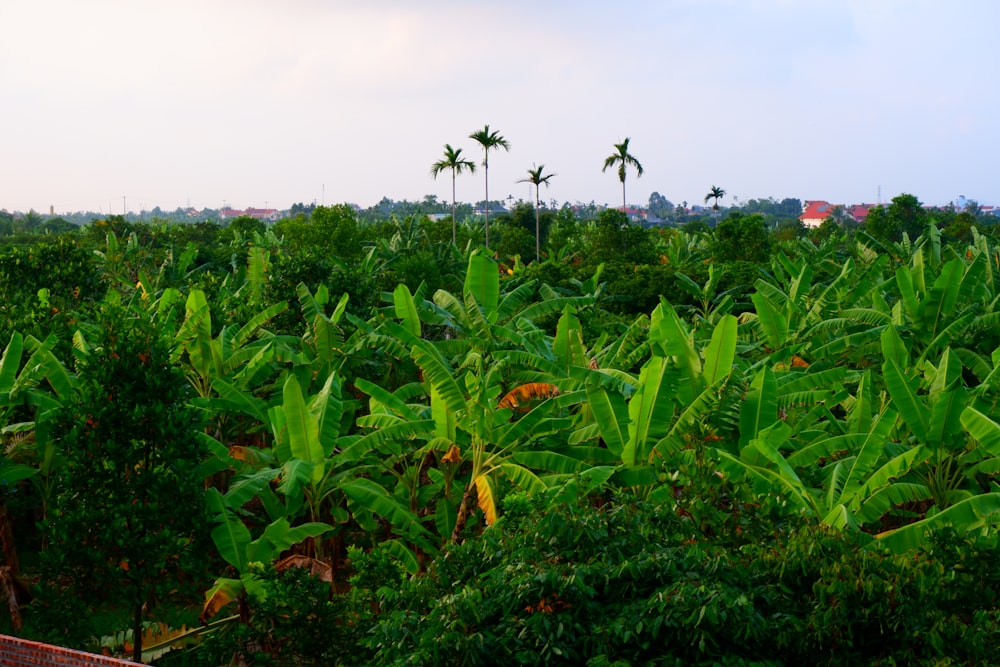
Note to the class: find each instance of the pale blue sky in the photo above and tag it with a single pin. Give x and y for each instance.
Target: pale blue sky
(261, 102)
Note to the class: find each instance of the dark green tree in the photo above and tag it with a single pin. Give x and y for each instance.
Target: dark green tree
(45, 284)
(660, 206)
(304, 209)
(129, 514)
(742, 238)
(246, 226)
(488, 139)
(6, 222)
(789, 229)
(329, 230)
(511, 239)
(454, 162)
(613, 240)
(622, 159)
(908, 214)
(959, 227)
(905, 214)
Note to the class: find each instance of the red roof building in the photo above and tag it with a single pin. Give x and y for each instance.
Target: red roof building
(256, 213)
(815, 213)
(859, 211)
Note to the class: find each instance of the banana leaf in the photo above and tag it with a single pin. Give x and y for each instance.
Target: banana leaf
(970, 514)
(721, 351)
(482, 280)
(406, 309)
(904, 396)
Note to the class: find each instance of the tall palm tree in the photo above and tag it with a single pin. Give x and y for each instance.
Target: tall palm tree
(623, 159)
(454, 161)
(488, 139)
(535, 177)
(716, 193)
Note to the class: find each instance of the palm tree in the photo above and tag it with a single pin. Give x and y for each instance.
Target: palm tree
(535, 177)
(488, 139)
(716, 193)
(454, 161)
(623, 159)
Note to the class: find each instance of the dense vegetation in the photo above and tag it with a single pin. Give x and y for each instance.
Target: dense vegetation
(355, 442)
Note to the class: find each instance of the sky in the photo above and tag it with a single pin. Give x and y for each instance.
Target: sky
(112, 105)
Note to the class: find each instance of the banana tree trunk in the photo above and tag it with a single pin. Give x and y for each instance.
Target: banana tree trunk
(11, 588)
(469, 499)
(7, 545)
(486, 179)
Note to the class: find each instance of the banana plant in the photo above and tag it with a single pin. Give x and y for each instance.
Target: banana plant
(245, 553)
(488, 320)
(384, 468)
(325, 341)
(675, 400)
(304, 431)
(945, 303)
(860, 481)
(710, 303)
(491, 349)
(791, 317)
(231, 354)
(465, 407)
(239, 361)
(932, 406)
(912, 448)
(682, 251)
(32, 379)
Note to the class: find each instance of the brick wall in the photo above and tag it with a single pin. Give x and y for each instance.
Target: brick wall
(16, 652)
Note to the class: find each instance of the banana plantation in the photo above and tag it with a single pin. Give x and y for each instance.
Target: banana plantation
(339, 444)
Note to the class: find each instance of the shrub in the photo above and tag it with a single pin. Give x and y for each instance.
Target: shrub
(294, 620)
(632, 583)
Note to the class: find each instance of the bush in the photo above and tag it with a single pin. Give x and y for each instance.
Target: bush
(632, 583)
(294, 620)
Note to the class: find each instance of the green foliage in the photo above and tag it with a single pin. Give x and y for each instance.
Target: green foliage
(772, 208)
(639, 287)
(767, 401)
(294, 620)
(330, 231)
(512, 240)
(45, 286)
(789, 230)
(632, 583)
(613, 239)
(742, 238)
(374, 569)
(245, 226)
(737, 278)
(904, 215)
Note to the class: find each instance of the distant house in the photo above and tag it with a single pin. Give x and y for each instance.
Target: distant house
(635, 214)
(859, 211)
(495, 209)
(815, 212)
(270, 214)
